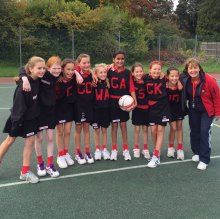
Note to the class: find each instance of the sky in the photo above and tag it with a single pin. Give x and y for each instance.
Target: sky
(175, 3)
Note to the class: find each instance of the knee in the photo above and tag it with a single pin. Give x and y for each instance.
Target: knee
(59, 132)
(173, 129)
(39, 138)
(67, 132)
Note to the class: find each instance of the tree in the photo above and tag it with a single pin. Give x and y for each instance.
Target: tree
(149, 9)
(187, 15)
(209, 19)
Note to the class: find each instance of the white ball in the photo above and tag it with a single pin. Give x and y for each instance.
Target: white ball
(126, 102)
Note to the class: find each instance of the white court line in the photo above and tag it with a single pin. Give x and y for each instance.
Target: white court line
(98, 172)
(216, 125)
(7, 87)
(4, 108)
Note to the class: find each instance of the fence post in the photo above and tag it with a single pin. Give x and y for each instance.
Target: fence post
(195, 48)
(159, 47)
(73, 44)
(20, 48)
(119, 39)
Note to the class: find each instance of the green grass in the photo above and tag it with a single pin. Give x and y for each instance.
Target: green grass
(8, 69)
(210, 66)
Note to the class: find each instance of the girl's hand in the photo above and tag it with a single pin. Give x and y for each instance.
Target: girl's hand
(26, 84)
(79, 79)
(134, 106)
(109, 66)
(162, 75)
(179, 85)
(94, 77)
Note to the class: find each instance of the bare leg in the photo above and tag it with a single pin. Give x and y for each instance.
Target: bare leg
(97, 136)
(104, 136)
(78, 130)
(5, 145)
(86, 134)
(38, 143)
(114, 133)
(50, 142)
(59, 137)
(145, 134)
(136, 134)
(28, 148)
(124, 133)
(67, 132)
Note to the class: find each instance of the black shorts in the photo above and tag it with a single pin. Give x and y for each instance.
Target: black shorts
(176, 112)
(28, 128)
(64, 112)
(118, 115)
(159, 113)
(46, 119)
(101, 118)
(83, 113)
(140, 116)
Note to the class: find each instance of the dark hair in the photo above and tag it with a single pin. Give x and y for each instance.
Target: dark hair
(120, 51)
(172, 69)
(136, 64)
(194, 62)
(66, 61)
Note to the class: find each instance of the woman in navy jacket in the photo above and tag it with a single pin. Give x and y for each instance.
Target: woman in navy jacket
(202, 94)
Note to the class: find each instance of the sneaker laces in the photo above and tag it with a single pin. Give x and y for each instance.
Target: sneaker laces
(89, 155)
(52, 167)
(80, 156)
(41, 165)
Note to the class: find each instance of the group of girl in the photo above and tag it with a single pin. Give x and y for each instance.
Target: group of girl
(70, 91)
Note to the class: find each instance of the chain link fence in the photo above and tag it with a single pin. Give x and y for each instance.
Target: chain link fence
(17, 44)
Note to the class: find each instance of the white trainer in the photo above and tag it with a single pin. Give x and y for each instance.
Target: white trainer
(202, 166)
(89, 158)
(41, 171)
(195, 158)
(52, 171)
(153, 162)
(61, 161)
(136, 152)
(114, 155)
(180, 155)
(170, 152)
(98, 154)
(106, 154)
(80, 159)
(146, 154)
(126, 155)
(69, 159)
(29, 177)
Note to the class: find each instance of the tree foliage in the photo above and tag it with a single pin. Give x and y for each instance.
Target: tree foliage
(187, 15)
(209, 19)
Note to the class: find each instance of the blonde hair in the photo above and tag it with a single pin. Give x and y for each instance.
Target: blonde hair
(83, 55)
(53, 60)
(32, 62)
(192, 62)
(102, 65)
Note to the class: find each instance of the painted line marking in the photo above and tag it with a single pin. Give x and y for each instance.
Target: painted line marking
(7, 87)
(216, 125)
(4, 108)
(98, 172)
